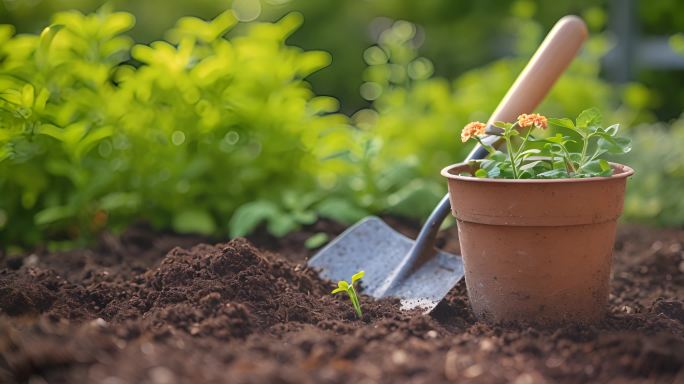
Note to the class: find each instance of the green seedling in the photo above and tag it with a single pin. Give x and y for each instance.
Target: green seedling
(343, 286)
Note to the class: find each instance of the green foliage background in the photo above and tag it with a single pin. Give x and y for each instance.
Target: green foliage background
(216, 128)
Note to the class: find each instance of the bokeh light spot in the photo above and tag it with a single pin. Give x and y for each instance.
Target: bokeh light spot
(420, 68)
(375, 56)
(404, 30)
(178, 137)
(231, 137)
(105, 148)
(370, 91)
(246, 10)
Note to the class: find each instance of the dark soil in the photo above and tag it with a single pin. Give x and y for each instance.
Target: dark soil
(134, 309)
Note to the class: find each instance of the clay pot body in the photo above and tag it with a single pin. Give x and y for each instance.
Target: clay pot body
(537, 251)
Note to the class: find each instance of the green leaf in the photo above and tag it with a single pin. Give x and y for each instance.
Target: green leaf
(52, 131)
(491, 167)
(117, 23)
(338, 290)
(554, 174)
(41, 100)
(304, 217)
(559, 164)
(528, 152)
(557, 139)
(564, 122)
(120, 201)
(248, 216)
(357, 276)
(531, 165)
(554, 149)
(498, 156)
(625, 144)
(53, 214)
(589, 117)
(481, 173)
(27, 96)
(46, 36)
(316, 240)
(502, 125)
(605, 165)
(597, 168)
(281, 224)
(194, 221)
(613, 129)
(90, 140)
(575, 157)
(491, 150)
(615, 145)
(494, 172)
(531, 151)
(343, 285)
(6, 32)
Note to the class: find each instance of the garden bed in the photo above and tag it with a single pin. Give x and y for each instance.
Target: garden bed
(136, 309)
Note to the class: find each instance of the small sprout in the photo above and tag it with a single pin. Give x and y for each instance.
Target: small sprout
(343, 286)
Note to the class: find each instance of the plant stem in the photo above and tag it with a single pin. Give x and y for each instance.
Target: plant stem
(355, 301)
(594, 156)
(585, 144)
(522, 145)
(489, 148)
(509, 148)
(568, 160)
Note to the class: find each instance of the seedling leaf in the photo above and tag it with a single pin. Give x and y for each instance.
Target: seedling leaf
(357, 276)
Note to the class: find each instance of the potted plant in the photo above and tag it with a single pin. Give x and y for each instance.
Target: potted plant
(537, 224)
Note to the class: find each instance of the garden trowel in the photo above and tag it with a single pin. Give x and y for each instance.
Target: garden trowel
(414, 271)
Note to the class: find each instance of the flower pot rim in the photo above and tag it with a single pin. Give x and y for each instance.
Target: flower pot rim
(623, 171)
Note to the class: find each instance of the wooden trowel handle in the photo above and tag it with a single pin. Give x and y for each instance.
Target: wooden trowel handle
(552, 58)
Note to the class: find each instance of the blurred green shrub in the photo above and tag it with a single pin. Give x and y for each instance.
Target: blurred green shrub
(654, 194)
(460, 34)
(200, 126)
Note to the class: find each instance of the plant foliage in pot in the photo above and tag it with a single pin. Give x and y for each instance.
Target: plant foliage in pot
(537, 224)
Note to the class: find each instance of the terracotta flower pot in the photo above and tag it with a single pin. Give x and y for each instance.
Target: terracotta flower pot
(537, 251)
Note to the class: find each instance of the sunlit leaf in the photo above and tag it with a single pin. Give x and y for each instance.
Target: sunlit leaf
(358, 276)
(248, 216)
(564, 122)
(53, 214)
(589, 117)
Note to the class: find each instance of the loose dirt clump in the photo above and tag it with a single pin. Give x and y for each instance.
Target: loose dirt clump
(137, 309)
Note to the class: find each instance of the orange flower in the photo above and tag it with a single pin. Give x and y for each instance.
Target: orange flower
(471, 130)
(534, 119)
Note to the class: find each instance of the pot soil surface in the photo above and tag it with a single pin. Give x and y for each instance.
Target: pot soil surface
(136, 309)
